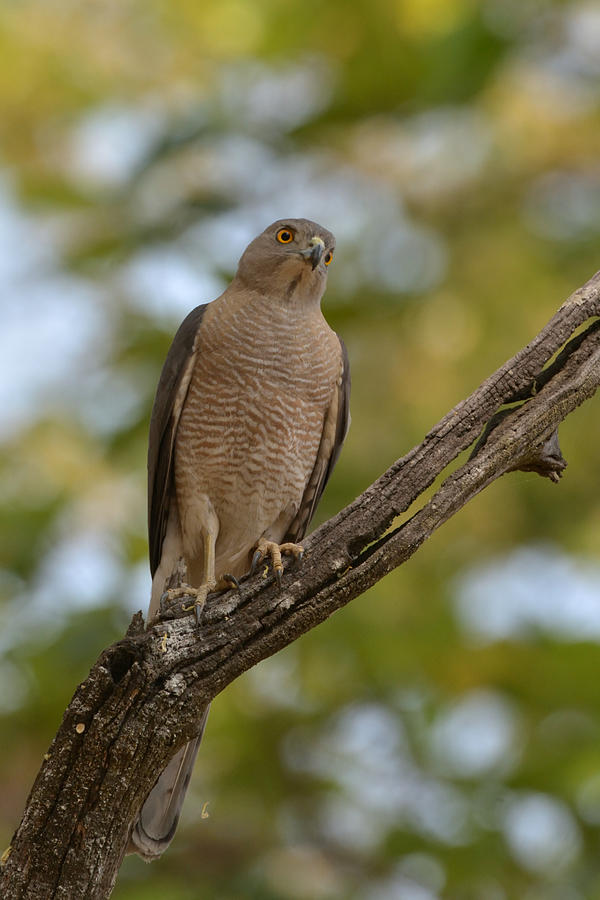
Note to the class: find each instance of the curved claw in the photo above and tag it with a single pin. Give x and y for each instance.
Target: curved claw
(279, 576)
(256, 560)
(231, 580)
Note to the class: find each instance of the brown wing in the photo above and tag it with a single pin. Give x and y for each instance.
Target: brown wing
(335, 428)
(170, 395)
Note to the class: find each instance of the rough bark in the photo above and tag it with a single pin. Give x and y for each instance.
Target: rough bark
(142, 698)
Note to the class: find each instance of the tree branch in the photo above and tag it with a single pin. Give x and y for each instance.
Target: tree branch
(142, 698)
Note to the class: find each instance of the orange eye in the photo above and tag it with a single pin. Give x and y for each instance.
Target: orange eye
(328, 257)
(285, 236)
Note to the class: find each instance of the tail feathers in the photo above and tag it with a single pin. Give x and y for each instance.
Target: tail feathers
(157, 821)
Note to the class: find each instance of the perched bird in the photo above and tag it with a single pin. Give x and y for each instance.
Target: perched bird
(249, 418)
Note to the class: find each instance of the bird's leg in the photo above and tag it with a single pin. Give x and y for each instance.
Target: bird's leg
(271, 548)
(208, 581)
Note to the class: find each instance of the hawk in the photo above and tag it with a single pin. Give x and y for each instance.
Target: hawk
(250, 414)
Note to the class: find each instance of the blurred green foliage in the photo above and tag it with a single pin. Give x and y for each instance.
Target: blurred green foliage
(404, 749)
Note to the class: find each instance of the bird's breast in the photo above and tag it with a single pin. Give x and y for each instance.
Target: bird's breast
(252, 420)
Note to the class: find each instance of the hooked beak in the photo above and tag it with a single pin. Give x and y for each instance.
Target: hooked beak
(314, 251)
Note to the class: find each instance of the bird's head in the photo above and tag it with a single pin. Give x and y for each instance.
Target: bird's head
(289, 260)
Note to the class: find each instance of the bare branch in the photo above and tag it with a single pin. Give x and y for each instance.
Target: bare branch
(142, 699)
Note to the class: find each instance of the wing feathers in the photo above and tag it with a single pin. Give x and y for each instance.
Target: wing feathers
(170, 396)
(335, 428)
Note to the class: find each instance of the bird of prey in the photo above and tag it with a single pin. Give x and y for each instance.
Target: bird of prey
(250, 414)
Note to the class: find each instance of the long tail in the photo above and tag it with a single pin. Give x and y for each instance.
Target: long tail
(157, 820)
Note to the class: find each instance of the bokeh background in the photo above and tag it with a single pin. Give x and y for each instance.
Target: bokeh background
(440, 737)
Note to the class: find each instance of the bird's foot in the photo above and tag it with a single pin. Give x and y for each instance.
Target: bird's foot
(197, 595)
(266, 548)
(176, 593)
(173, 594)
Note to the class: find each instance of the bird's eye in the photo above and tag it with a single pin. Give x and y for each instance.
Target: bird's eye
(284, 236)
(328, 257)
